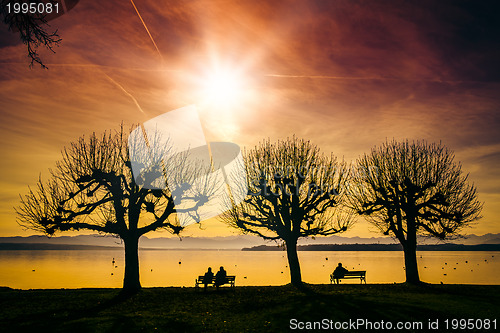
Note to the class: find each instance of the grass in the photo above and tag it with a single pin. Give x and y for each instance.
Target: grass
(252, 309)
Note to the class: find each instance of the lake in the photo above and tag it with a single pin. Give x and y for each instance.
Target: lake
(161, 268)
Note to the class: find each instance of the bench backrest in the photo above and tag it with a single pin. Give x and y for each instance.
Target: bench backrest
(355, 273)
(229, 278)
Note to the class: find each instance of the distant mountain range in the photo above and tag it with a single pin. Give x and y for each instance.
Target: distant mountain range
(229, 242)
(48, 246)
(379, 247)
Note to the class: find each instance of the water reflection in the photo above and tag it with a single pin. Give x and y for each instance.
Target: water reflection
(160, 268)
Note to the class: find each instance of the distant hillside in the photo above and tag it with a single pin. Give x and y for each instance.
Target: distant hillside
(229, 242)
(45, 246)
(466, 240)
(380, 247)
(96, 240)
(474, 239)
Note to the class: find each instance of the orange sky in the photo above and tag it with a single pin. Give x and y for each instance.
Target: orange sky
(345, 74)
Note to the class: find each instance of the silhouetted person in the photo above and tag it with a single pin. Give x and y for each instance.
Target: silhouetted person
(208, 277)
(339, 272)
(220, 277)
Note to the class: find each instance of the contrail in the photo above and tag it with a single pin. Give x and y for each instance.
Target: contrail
(327, 77)
(126, 93)
(147, 30)
(137, 69)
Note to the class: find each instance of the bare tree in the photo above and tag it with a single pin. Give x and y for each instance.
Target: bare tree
(93, 188)
(406, 189)
(294, 191)
(32, 28)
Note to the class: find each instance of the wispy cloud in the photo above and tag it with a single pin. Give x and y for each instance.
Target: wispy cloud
(347, 75)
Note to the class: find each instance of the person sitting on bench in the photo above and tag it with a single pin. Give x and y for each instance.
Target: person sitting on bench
(339, 272)
(220, 277)
(208, 277)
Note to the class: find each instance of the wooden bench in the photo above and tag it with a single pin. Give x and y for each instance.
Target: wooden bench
(350, 275)
(230, 279)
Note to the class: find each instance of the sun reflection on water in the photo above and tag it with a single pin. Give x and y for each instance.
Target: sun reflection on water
(161, 268)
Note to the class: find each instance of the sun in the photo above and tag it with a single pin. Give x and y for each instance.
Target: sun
(222, 88)
(224, 92)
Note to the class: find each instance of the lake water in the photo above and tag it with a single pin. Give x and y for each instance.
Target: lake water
(161, 268)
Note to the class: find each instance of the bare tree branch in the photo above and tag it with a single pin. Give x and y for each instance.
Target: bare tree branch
(32, 30)
(92, 187)
(294, 191)
(411, 188)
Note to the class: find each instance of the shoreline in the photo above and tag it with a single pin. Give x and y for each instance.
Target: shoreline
(342, 285)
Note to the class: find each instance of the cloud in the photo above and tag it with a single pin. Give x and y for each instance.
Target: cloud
(346, 74)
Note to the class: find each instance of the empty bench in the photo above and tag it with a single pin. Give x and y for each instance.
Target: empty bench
(361, 275)
(230, 279)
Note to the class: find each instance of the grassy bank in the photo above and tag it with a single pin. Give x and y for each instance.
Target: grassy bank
(243, 309)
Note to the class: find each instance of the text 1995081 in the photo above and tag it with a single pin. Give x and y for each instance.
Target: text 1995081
(39, 8)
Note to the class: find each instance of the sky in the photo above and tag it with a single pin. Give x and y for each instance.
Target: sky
(347, 75)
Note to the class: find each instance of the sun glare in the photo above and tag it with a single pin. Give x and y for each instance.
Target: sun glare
(222, 88)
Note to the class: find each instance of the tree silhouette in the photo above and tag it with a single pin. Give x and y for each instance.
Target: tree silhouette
(406, 189)
(294, 191)
(32, 31)
(93, 188)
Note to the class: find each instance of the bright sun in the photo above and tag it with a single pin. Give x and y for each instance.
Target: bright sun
(222, 88)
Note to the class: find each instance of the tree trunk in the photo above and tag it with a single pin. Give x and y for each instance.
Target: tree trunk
(131, 282)
(410, 250)
(411, 268)
(293, 262)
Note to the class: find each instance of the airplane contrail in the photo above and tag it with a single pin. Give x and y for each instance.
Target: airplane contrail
(147, 30)
(97, 66)
(328, 77)
(126, 93)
